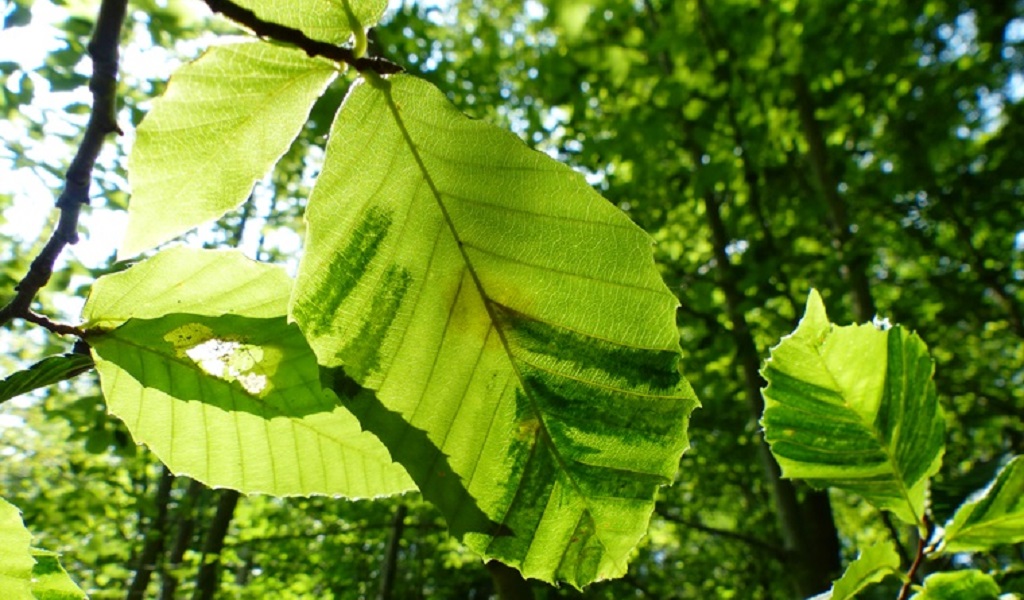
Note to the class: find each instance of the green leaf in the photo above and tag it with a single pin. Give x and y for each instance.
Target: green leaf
(27, 572)
(995, 517)
(874, 564)
(331, 21)
(233, 400)
(509, 315)
(958, 585)
(223, 122)
(45, 372)
(854, 407)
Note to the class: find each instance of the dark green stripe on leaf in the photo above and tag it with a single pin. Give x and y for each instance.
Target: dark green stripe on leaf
(626, 366)
(362, 354)
(346, 269)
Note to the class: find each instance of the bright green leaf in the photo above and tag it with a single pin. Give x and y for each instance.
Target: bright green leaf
(233, 400)
(26, 572)
(995, 517)
(854, 407)
(874, 564)
(45, 372)
(203, 282)
(958, 585)
(509, 315)
(331, 21)
(223, 122)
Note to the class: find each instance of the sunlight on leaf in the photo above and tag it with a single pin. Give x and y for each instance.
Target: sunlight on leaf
(223, 122)
(25, 572)
(326, 20)
(854, 407)
(995, 517)
(233, 400)
(499, 305)
(970, 584)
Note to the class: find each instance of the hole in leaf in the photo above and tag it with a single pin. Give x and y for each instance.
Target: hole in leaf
(225, 359)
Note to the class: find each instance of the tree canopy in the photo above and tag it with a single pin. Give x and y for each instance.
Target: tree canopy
(458, 299)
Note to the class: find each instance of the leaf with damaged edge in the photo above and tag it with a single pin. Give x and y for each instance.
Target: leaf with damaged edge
(233, 400)
(500, 306)
(223, 122)
(855, 408)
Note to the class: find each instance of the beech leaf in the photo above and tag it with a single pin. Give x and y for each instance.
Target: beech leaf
(512, 317)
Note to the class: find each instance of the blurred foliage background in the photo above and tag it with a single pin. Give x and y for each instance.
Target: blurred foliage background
(873, 150)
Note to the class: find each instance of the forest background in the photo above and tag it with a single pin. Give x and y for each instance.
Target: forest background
(870, 150)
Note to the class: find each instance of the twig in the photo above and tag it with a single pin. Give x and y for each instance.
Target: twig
(283, 33)
(103, 49)
(921, 545)
(770, 549)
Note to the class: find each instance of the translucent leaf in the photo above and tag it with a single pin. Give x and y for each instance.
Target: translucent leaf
(26, 572)
(223, 122)
(511, 322)
(958, 585)
(995, 517)
(874, 564)
(45, 372)
(233, 400)
(854, 407)
(326, 20)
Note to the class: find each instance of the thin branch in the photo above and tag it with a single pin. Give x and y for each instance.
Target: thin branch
(771, 549)
(283, 33)
(922, 543)
(103, 49)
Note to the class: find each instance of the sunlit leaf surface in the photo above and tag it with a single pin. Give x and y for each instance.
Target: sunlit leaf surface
(521, 345)
(27, 573)
(995, 517)
(223, 122)
(233, 400)
(970, 584)
(854, 407)
(326, 20)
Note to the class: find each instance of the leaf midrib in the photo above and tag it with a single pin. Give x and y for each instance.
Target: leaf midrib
(885, 447)
(385, 87)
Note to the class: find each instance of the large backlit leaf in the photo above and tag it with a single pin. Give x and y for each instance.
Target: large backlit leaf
(995, 517)
(223, 122)
(25, 572)
(233, 400)
(508, 315)
(875, 563)
(45, 372)
(854, 407)
(326, 20)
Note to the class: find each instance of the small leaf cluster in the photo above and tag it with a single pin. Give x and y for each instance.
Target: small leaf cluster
(854, 408)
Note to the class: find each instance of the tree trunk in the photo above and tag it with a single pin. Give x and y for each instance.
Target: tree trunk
(209, 567)
(508, 582)
(155, 538)
(854, 263)
(390, 568)
(186, 523)
(808, 530)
